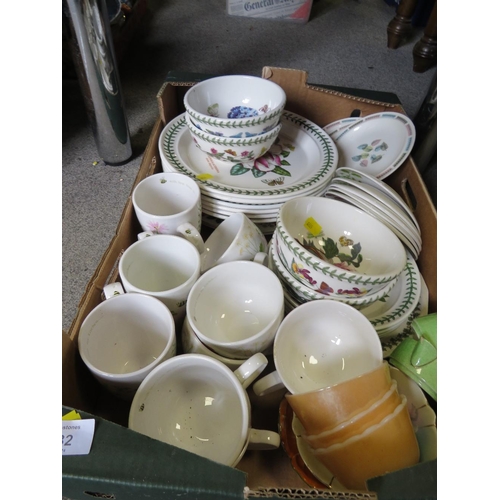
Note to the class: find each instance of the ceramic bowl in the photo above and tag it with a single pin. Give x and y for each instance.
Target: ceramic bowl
(235, 105)
(387, 446)
(332, 243)
(322, 410)
(294, 283)
(233, 149)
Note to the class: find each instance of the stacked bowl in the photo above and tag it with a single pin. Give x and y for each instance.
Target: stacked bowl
(324, 249)
(234, 118)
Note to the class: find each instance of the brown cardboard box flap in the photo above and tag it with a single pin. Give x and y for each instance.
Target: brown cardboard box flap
(309, 100)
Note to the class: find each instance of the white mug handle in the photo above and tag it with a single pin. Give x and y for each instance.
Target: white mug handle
(192, 234)
(270, 383)
(261, 258)
(260, 439)
(251, 369)
(112, 290)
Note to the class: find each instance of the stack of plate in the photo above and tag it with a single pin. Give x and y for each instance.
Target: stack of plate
(376, 198)
(302, 162)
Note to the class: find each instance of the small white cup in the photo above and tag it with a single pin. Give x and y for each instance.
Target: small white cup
(235, 308)
(236, 238)
(319, 344)
(191, 344)
(198, 404)
(169, 203)
(124, 338)
(163, 266)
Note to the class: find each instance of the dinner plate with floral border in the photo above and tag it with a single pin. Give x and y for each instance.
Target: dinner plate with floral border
(370, 180)
(377, 144)
(302, 159)
(316, 475)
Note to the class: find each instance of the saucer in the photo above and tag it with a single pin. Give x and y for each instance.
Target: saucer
(377, 144)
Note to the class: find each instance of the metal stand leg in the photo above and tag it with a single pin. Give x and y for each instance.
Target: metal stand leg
(91, 42)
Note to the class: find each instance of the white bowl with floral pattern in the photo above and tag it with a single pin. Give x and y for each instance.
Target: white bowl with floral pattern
(233, 149)
(235, 106)
(339, 245)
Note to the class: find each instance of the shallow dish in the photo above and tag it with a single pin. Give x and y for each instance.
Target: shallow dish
(377, 144)
(235, 105)
(333, 242)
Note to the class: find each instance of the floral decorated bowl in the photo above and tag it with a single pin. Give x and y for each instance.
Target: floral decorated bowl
(232, 149)
(235, 106)
(345, 249)
(295, 283)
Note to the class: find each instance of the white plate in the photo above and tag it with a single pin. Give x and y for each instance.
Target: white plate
(338, 193)
(333, 129)
(422, 416)
(370, 180)
(385, 203)
(381, 204)
(377, 144)
(401, 301)
(307, 154)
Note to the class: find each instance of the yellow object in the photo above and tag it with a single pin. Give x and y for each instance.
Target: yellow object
(72, 415)
(204, 177)
(312, 226)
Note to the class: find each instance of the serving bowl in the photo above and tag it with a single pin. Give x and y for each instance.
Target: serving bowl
(334, 243)
(232, 149)
(235, 105)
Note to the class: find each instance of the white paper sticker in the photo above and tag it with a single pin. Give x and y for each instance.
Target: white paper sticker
(77, 436)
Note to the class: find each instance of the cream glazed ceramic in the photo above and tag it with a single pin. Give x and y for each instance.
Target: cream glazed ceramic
(163, 266)
(236, 308)
(237, 238)
(169, 203)
(233, 150)
(319, 344)
(235, 105)
(124, 338)
(294, 283)
(198, 404)
(328, 241)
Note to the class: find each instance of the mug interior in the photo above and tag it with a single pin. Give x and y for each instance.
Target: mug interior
(125, 334)
(193, 405)
(323, 343)
(235, 301)
(155, 264)
(164, 196)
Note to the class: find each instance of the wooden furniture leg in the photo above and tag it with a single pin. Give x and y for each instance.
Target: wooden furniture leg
(425, 50)
(400, 26)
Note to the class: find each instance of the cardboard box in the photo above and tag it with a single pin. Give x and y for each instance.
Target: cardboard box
(126, 465)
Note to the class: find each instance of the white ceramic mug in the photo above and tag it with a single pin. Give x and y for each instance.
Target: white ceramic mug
(198, 404)
(235, 308)
(191, 344)
(163, 266)
(319, 344)
(236, 238)
(169, 203)
(124, 338)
